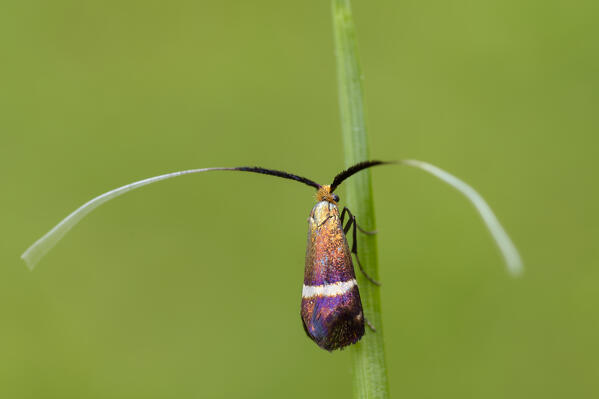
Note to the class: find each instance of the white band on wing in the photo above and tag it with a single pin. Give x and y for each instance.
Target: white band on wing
(333, 289)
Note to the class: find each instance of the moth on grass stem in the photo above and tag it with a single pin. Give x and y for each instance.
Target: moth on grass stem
(331, 309)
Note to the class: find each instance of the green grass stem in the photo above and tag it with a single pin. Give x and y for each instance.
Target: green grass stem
(370, 372)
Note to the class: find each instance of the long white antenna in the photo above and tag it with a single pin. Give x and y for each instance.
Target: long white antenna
(506, 246)
(36, 252)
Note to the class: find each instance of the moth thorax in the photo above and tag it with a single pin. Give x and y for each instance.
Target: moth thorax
(322, 211)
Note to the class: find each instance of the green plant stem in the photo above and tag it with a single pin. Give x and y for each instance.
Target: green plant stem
(370, 372)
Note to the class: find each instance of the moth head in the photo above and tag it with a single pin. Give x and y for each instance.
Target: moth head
(324, 194)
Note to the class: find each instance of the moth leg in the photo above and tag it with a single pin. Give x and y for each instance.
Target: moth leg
(351, 216)
(349, 222)
(367, 232)
(354, 248)
(342, 219)
(369, 324)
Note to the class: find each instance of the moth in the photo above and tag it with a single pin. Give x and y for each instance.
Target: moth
(331, 308)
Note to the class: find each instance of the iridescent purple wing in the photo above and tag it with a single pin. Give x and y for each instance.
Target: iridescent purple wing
(331, 306)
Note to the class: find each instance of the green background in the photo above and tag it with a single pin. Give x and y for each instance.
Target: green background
(190, 288)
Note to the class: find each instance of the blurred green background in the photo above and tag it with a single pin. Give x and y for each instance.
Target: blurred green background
(190, 288)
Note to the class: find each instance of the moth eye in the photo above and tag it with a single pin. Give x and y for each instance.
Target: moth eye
(335, 198)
